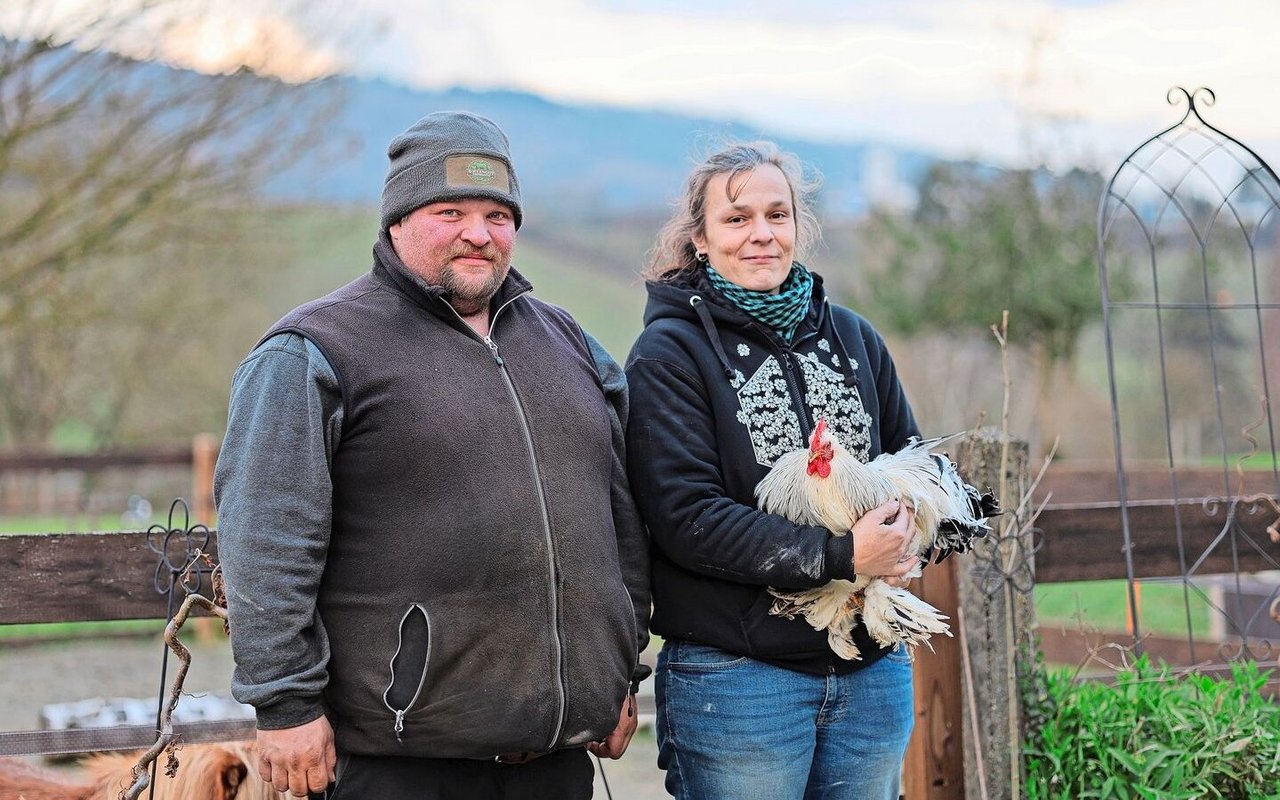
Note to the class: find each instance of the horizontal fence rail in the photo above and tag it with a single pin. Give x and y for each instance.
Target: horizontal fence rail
(122, 737)
(81, 577)
(64, 577)
(93, 462)
(78, 577)
(1085, 542)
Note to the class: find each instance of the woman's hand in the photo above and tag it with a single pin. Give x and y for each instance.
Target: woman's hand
(880, 541)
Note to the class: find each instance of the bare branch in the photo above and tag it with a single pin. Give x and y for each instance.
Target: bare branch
(167, 738)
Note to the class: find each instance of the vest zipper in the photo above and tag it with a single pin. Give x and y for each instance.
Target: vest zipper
(553, 596)
(493, 348)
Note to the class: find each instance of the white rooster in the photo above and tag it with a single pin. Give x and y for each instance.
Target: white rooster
(826, 485)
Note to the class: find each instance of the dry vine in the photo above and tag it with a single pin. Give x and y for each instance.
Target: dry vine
(167, 739)
(1013, 527)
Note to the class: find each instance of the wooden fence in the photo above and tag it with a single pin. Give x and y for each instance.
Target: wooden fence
(44, 468)
(64, 577)
(111, 576)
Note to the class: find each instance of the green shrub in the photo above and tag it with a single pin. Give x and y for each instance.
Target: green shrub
(1155, 735)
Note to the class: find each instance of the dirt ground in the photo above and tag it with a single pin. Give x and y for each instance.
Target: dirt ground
(32, 676)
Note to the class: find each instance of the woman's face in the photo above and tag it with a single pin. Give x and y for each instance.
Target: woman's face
(750, 231)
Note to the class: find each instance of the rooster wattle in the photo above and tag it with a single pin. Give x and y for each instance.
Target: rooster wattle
(826, 485)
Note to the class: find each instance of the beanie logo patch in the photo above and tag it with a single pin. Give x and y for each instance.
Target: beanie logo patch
(463, 171)
(480, 171)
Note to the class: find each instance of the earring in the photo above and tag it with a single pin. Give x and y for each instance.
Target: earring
(701, 258)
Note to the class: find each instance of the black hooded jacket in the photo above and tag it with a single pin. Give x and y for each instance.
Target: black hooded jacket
(716, 398)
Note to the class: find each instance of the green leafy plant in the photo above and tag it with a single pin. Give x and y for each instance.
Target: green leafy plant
(1153, 734)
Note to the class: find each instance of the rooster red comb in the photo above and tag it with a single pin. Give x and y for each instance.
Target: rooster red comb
(820, 452)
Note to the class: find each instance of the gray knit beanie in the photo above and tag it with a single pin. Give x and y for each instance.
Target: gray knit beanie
(448, 155)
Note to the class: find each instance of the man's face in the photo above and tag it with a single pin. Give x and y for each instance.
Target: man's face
(463, 246)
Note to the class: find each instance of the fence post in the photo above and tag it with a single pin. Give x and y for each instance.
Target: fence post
(934, 767)
(204, 455)
(997, 612)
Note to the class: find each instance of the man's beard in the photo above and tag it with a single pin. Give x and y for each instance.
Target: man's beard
(464, 295)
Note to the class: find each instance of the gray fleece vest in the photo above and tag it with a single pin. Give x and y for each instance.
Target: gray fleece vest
(472, 593)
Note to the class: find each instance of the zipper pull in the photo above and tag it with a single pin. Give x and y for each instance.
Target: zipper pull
(399, 725)
(786, 360)
(493, 348)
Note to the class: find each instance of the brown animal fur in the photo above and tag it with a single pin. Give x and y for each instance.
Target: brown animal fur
(206, 772)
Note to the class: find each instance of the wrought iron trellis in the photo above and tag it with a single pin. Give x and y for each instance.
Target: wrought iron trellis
(179, 566)
(1188, 240)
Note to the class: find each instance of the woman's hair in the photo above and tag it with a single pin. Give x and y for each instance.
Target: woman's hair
(673, 254)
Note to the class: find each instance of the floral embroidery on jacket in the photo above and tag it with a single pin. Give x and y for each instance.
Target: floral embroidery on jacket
(774, 426)
(765, 408)
(842, 405)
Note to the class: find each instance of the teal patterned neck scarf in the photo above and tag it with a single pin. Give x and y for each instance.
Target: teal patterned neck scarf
(781, 312)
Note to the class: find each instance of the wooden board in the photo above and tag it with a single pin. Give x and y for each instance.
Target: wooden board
(1086, 542)
(72, 577)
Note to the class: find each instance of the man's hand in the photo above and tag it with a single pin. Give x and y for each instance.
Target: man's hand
(298, 760)
(880, 540)
(615, 744)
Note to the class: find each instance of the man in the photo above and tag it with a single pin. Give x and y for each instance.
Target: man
(432, 557)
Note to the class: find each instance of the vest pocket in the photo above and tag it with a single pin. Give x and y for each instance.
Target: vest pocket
(409, 664)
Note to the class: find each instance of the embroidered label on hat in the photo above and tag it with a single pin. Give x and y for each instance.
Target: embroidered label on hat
(477, 171)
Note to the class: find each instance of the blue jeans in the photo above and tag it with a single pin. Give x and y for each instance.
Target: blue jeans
(733, 728)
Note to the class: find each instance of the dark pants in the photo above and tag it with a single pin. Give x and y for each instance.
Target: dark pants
(562, 775)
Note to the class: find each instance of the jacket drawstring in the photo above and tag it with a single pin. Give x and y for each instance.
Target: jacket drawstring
(846, 363)
(704, 314)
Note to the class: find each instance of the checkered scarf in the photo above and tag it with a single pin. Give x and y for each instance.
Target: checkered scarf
(781, 312)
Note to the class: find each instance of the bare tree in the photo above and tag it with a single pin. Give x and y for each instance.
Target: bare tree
(122, 181)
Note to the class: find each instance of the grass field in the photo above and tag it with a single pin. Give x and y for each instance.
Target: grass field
(63, 524)
(58, 631)
(1103, 605)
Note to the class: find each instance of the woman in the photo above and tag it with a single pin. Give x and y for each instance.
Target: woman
(740, 354)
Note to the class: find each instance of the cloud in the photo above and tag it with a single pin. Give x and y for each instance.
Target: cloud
(999, 79)
(224, 41)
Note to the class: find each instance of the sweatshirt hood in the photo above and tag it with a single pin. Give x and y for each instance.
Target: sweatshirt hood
(691, 297)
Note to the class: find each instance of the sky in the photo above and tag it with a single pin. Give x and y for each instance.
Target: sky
(1006, 81)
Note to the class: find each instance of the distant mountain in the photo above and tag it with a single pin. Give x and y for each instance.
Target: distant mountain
(578, 159)
(584, 159)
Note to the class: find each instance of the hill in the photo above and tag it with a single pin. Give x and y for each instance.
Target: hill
(579, 159)
(582, 160)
